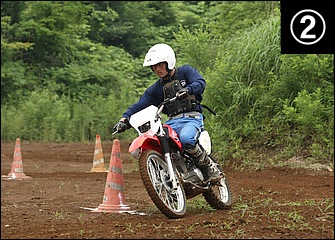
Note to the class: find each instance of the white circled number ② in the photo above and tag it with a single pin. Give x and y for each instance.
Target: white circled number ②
(312, 22)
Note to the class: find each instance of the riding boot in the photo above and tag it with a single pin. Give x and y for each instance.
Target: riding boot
(204, 163)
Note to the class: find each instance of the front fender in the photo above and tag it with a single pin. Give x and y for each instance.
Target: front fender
(142, 143)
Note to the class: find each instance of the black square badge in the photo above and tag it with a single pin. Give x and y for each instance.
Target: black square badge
(307, 27)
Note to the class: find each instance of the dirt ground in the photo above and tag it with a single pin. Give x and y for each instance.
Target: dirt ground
(273, 203)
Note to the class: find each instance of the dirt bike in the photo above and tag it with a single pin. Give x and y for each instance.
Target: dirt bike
(168, 173)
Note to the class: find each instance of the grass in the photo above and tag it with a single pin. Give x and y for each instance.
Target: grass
(251, 207)
(60, 215)
(287, 214)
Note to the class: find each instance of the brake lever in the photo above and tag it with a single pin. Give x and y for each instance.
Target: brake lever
(173, 99)
(182, 94)
(115, 132)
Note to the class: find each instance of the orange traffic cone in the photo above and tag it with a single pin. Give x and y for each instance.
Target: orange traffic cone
(114, 199)
(17, 167)
(98, 159)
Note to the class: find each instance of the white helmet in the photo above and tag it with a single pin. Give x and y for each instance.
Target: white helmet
(160, 53)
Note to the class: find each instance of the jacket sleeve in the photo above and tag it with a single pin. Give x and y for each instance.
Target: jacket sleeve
(195, 82)
(152, 96)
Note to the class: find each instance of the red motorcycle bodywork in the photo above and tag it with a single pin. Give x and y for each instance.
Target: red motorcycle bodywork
(151, 142)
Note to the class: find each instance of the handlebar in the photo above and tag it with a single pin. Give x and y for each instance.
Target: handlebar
(168, 100)
(161, 107)
(171, 100)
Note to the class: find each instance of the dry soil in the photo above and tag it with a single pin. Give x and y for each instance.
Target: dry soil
(287, 203)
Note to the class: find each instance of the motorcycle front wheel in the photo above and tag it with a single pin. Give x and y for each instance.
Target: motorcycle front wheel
(156, 179)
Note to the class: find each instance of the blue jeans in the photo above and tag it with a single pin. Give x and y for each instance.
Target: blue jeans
(187, 128)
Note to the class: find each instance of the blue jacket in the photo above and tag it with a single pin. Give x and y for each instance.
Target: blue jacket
(189, 78)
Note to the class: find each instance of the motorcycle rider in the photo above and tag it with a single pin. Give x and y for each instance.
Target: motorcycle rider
(185, 115)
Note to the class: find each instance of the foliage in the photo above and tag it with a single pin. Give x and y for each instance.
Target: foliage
(70, 69)
(53, 27)
(133, 28)
(44, 116)
(243, 71)
(198, 48)
(311, 117)
(228, 18)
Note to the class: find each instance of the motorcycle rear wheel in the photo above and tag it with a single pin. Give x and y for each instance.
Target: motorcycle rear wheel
(219, 196)
(155, 177)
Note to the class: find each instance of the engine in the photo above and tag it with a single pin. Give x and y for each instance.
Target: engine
(187, 169)
(194, 175)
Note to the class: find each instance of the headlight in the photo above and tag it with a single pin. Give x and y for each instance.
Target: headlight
(144, 127)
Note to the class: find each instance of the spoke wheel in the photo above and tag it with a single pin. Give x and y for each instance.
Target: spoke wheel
(219, 196)
(156, 179)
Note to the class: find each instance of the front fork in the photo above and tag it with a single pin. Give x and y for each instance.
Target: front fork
(166, 151)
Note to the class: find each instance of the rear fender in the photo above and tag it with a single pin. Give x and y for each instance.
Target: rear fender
(142, 143)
